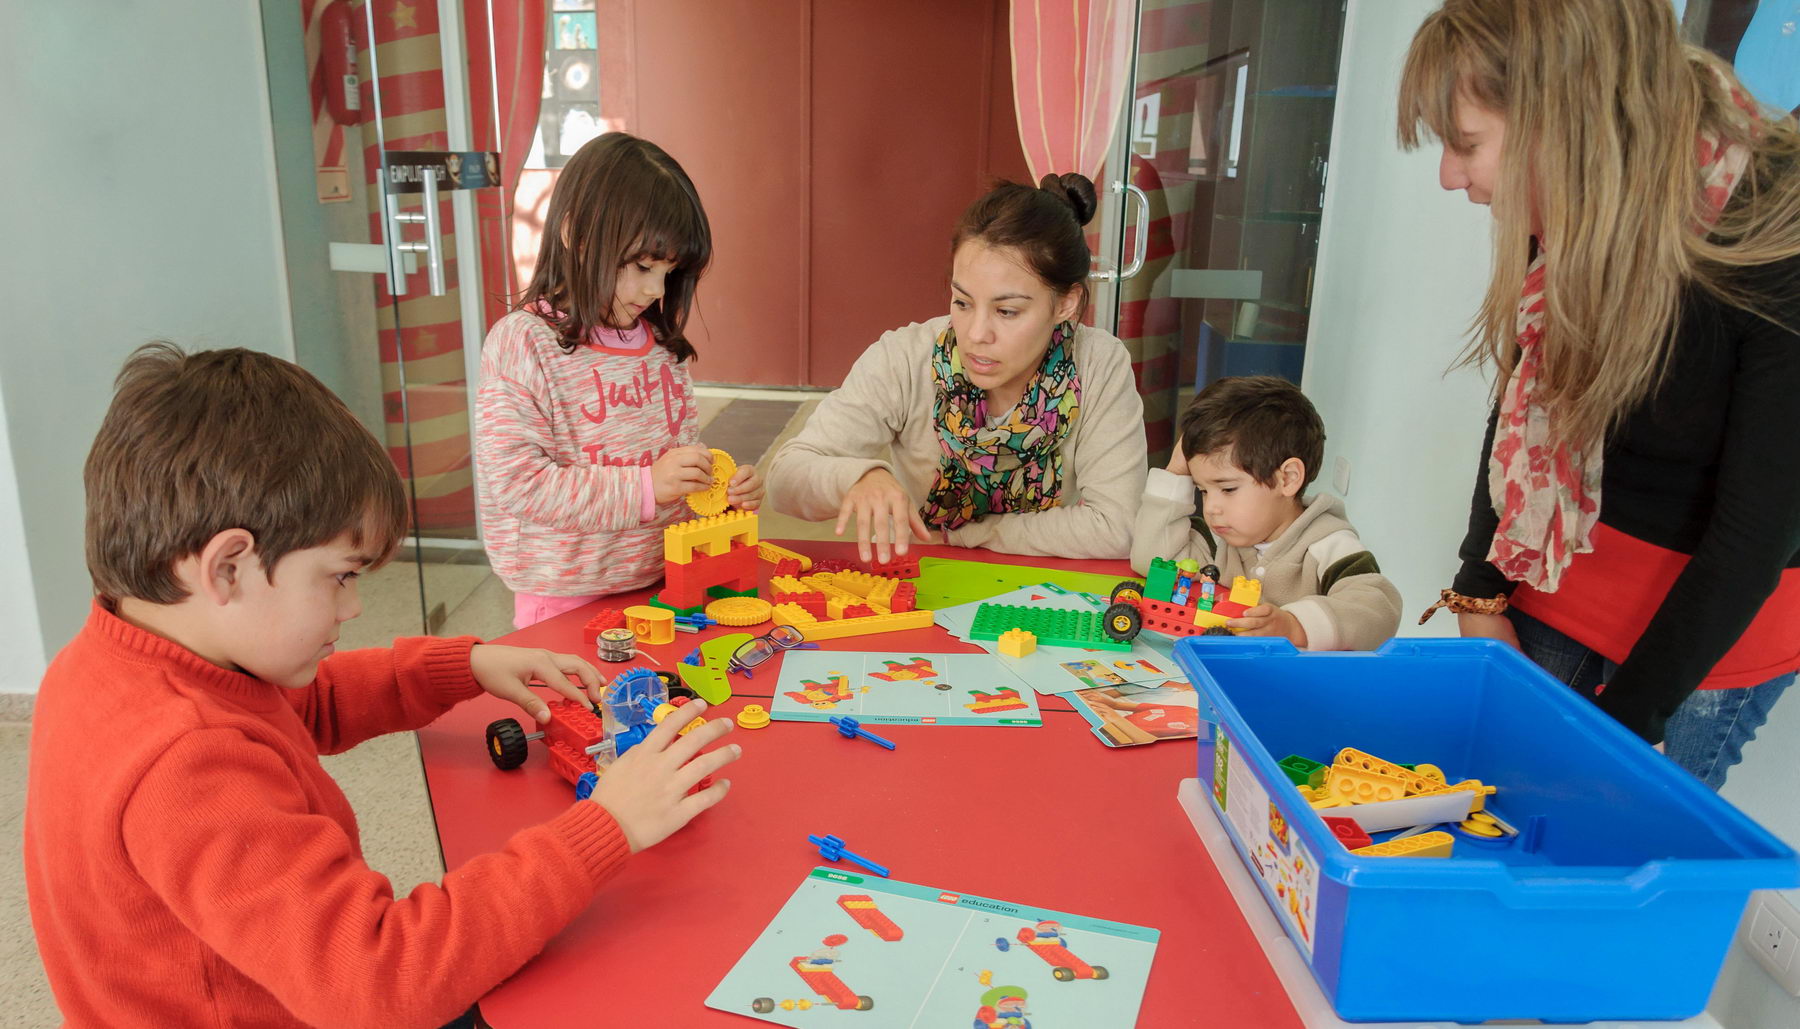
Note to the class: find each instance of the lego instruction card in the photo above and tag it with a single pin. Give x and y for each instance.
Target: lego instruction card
(1288, 868)
(912, 955)
(901, 688)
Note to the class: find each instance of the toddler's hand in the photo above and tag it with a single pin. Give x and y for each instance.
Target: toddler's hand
(745, 490)
(506, 671)
(1269, 620)
(681, 471)
(881, 508)
(646, 790)
(1178, 462)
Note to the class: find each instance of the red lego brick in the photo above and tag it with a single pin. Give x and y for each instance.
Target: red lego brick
(788, 566)
(831, 564)
(905, 598)
(604, 619)
(685, 585)
(898, 568)
(1348, 833)
(858, 611)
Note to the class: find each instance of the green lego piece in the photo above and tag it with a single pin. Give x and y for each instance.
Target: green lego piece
(1160, 583)
(708, 679)
(1299, 769)
(680, 612)
(722, 592)
(1053, 628)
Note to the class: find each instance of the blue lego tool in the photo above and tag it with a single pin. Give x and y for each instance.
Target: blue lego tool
(831, 848)
(850, 728)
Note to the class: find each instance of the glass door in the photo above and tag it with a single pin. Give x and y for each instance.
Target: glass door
(407, 177)
(1213, 193)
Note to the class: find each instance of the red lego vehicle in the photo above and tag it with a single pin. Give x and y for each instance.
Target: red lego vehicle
(1064, 966)
(574, 735)
(1178, 602)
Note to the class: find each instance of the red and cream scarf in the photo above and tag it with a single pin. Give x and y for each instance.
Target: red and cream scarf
(1547, 490)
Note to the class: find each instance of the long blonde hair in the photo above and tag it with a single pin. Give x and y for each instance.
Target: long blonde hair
(1603, 105)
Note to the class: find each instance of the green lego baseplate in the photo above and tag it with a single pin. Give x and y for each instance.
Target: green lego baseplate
(1052, 628)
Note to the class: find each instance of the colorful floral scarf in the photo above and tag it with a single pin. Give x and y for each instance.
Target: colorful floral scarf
(1547, 490)
(1015, 465)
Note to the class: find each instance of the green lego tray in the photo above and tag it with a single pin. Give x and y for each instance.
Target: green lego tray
(945, 582)
(1053, 628)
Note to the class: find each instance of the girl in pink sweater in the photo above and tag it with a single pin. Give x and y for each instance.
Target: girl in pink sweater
(586, 433)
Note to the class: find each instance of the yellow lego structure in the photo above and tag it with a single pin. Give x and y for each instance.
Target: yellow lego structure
(1247, 592)
(775, 555)
(1017, 642)
(1426, 844)
(877, 588)
(712, 535)
(842, 589)
(802, 619)
(1360, 786)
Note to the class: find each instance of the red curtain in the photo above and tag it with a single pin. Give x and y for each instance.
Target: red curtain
(1070, 59)
(517, 56)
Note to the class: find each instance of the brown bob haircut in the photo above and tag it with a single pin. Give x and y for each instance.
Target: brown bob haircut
(1263, 420)
(619, 199)
(195, 444)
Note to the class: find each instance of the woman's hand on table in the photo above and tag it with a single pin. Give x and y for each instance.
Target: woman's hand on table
(1493, 627)
(885, 516)
(507, 673)
(646, 791)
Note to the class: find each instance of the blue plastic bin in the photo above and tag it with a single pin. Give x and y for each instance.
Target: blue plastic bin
(1617, 900)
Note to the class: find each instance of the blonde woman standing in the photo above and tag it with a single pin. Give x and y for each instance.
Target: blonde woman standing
(1636, 521)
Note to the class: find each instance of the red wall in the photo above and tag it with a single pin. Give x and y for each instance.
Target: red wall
(834, 145)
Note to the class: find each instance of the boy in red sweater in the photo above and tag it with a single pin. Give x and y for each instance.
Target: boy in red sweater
(188, 859)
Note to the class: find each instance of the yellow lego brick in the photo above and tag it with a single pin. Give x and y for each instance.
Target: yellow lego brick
(1426, 844)
(1017, 642)
(1358, 786)
(794, 615)
(712, 535)
(813, 629)
(1481, 790)
(775, 555)
(788, 584)
(874, 587)
(1247, 592)
(1415, 783)
(828, 583)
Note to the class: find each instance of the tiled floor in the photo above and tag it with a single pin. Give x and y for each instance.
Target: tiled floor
(383, 778)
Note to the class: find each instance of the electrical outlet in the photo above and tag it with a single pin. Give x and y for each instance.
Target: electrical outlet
(1771, 931)
(1340, 477)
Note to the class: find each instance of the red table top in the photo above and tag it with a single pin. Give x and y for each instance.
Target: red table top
(1041, 816)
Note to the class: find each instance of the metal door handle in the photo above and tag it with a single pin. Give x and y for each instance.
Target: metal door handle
(432, 246)
(1142, 250)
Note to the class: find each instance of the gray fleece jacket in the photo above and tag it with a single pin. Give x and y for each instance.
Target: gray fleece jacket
(1317, 569)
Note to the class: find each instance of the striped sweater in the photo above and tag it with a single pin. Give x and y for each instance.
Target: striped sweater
(562, 443)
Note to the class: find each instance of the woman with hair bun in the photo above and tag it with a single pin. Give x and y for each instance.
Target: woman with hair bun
(1011, 425)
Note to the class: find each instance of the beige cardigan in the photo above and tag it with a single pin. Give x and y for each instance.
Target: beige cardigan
(884, 409)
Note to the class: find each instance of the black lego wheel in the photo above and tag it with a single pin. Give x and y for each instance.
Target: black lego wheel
(1216, 630)
(1122, 622)
(1130, 592)
(506, 744)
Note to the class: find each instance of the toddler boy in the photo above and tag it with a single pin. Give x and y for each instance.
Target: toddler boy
(1252, 445)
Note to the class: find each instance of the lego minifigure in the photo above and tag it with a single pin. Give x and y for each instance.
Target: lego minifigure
(1185, 570)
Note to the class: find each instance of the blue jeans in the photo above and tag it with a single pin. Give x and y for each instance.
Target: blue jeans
(1707, 733)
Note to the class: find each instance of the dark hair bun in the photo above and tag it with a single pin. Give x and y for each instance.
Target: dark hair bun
(1074, 189)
